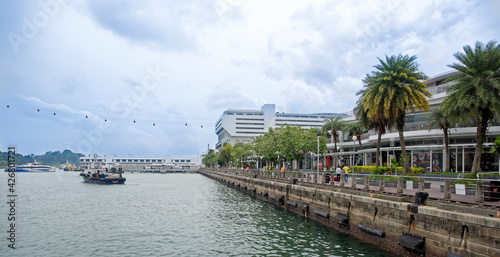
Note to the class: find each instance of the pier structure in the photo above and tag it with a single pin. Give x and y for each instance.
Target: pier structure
(166, 164)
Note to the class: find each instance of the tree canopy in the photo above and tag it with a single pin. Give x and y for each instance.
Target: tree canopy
(395, 88)
(475, 91)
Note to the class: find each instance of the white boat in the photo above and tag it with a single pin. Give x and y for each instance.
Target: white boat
(33, 167)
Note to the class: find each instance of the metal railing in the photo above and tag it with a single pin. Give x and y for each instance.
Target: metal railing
(454, 188)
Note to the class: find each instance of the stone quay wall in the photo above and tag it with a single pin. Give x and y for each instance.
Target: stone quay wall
(390, 221)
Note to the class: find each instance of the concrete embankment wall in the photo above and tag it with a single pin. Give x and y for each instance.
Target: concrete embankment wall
(375, 219)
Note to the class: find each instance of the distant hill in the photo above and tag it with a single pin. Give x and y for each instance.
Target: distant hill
(49, 158)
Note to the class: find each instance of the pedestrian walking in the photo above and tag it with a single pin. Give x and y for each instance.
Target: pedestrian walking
(346, 171)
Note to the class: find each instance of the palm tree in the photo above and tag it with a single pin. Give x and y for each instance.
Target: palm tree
(225, 153)
(439, 120)
(374, 121)
(356, 129)
(476, 90)
(396, 88)
(333, 124)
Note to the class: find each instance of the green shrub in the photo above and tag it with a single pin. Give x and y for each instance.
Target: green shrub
(417, 170)
(468, 183)
(364, 168)
(395, 178)
(383, 169)
(470, 176)
(491, 174)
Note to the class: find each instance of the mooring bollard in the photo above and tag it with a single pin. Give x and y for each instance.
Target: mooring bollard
(447, 189)
(399, 189)
(381, 185)
(367, 183)
(479, 191)
(421, 184)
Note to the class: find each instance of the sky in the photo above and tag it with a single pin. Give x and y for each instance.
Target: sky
(151, 78)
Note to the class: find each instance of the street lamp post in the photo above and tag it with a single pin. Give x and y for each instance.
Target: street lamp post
(337, 162)
(394, 155)
(354, 138)
(317, 166)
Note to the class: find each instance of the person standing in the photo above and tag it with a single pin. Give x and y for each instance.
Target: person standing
(337, 172)
(346, 171)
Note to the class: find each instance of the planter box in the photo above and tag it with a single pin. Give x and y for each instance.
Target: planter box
(468, 190)
(391, 184)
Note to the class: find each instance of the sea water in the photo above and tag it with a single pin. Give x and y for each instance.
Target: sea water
(56, 214)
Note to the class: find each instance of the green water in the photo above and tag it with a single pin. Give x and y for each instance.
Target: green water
(159, 215)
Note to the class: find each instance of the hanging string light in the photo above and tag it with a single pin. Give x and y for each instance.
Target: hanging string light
(169, 120)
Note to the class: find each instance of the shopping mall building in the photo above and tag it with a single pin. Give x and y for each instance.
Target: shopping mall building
(426, 147)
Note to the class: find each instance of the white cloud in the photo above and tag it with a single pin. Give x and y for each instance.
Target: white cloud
(92, 57)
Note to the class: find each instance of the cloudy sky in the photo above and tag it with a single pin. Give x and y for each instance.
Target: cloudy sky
(178, 64)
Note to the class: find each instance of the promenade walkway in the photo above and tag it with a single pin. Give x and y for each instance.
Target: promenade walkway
(434, 190)
(434, 193)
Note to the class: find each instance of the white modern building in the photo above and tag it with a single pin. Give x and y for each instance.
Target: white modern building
(242, 125)
(425, 147)
(143, 164)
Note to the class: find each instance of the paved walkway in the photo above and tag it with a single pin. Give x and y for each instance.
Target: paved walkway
(434, 193)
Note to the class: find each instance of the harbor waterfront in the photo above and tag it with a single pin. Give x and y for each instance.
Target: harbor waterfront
(408, 225)
(57, 214)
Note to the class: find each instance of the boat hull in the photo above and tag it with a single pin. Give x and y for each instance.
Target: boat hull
(104, 181)
(31, 170)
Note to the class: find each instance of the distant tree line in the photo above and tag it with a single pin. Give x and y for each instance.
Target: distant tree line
(49, 158)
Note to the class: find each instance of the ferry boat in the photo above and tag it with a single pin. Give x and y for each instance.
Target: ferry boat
(102, 176)
(99, 177)
(32, 167)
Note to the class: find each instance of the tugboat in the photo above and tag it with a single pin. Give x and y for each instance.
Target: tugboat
(99, 176)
